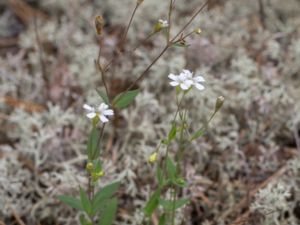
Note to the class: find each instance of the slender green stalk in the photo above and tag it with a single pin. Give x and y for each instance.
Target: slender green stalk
(173, 121)
(174, 204)
(102, 71)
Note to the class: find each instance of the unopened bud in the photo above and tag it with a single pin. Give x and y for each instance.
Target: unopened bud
(99, 22)
(219, 103)
(100, 174)
(198, 31)
(97, 176)
(140, 1)
(153, 157)
(161, 24)
(89, 167)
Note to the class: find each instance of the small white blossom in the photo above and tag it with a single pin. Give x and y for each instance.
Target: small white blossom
(186, 79)
(163, 23)
(180, 80)
(196, 80)
(101, 111)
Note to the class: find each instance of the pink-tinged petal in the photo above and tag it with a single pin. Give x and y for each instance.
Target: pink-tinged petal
(91, 115)
(199, 79)
(108, 112)
(173, 77)
(88, 108)
(174, 83)
(199, 86)
(103, 119)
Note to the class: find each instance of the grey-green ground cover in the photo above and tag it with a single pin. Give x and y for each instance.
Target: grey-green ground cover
(255, 68)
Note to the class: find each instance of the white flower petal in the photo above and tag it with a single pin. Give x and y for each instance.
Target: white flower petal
(184, 86)
(91, 115)
(199, 86)
(102, 107)
(182, 77)
(199, 79)
(103, 118)
(88, 107)
(108, 112)
(187, 73)
(173, 77)
(174, 83)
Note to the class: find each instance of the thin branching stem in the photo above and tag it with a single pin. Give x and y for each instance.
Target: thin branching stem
(106, 67)
(102, 71)
(129, 24)
(168, 45)
(190, 21)
(170, 19)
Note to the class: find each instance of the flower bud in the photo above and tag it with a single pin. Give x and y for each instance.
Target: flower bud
(161, 24)
(99, 22)
(89, 167)
(100, 174)
(153, 157)
(198, 31)
(219, 103)
(140, 1)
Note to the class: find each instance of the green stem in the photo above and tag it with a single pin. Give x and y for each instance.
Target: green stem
(174, 204)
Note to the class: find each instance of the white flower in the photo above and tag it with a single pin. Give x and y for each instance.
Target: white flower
(180, 80)
(196, 80)
(186, 79)
(163, 23)
(102, 112)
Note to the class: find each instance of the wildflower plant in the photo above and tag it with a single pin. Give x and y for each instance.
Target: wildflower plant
(100, 206)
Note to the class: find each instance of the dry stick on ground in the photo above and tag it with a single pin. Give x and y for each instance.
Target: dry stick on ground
(243, 202)
(8, 42)
(41, 57)
(17, 217)
(25, 12)
(17, 103)
(262, 14)
(297, 138)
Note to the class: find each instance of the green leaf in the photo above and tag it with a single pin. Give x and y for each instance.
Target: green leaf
(168, 205)
(181, 45)
(171, 169)
(162, 220)
(85, 202)
(123, 99)
(172, 133)
(103, 95)
(152, 203)
(107, 191)
(92, 150)
(180, 182)
(70, 201)
(198, 134)
(102, 195)
(83, 220)
(109, 213)
(159, 175)
(98, 166)
(165, 142)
